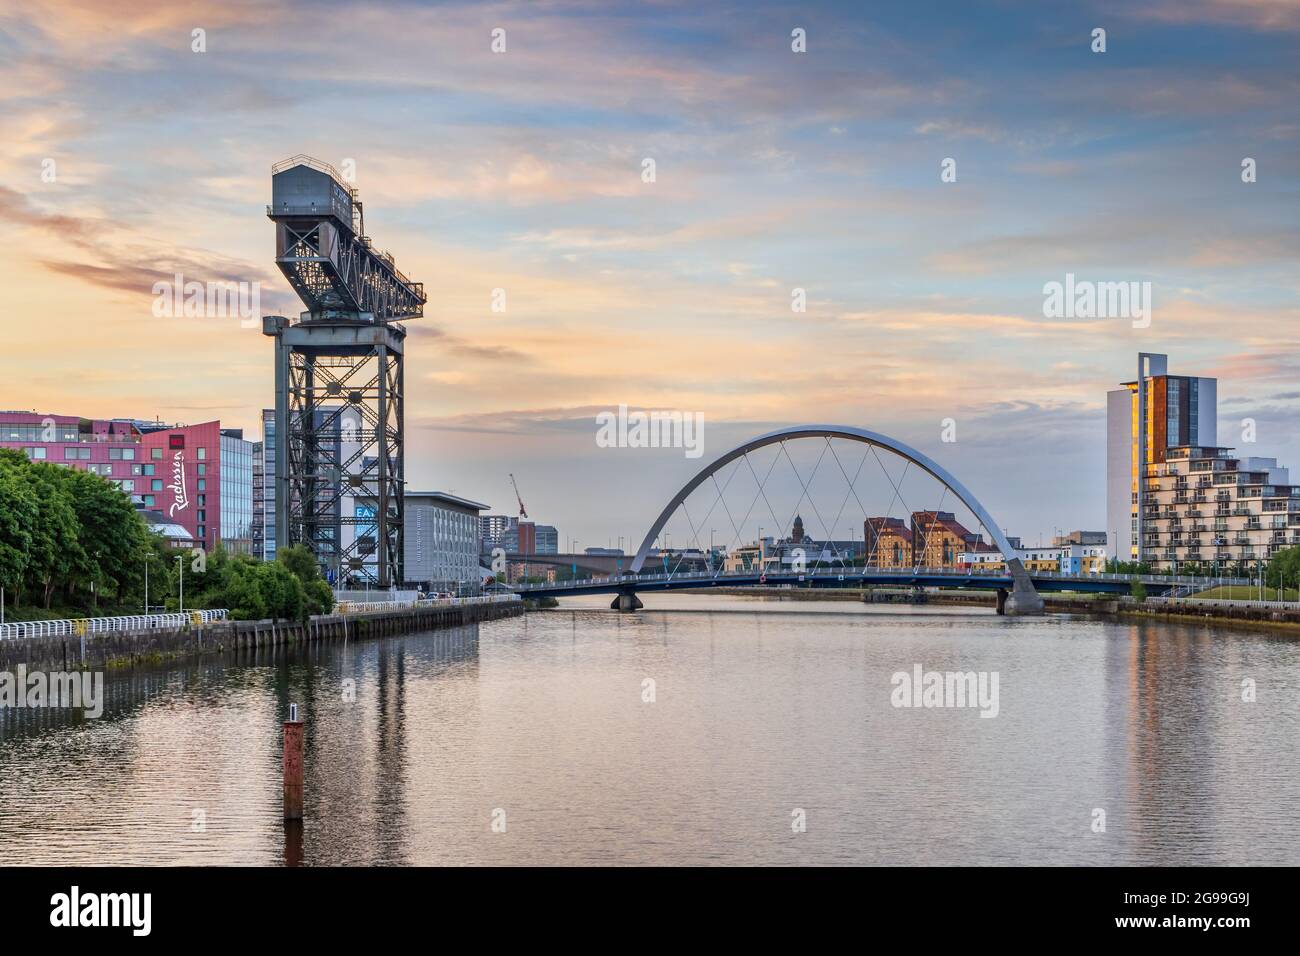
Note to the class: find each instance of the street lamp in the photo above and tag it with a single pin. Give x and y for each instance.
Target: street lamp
(180, 565)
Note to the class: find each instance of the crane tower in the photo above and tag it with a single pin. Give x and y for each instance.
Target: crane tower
(338, 379)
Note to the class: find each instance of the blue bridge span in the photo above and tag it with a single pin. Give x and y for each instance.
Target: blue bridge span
(626, 586)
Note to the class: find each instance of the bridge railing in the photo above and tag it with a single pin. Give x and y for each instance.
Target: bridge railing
(97, 625)
(849, 572)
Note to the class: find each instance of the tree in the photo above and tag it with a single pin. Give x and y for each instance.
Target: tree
(282, 591)
(1283, 569)
(300, 562)
(242, 592)
(112, 534)
(56, 549)
(318, 596)
(1139, 591)
(17, 515)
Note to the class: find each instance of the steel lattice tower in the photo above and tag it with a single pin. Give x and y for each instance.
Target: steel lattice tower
(338, 379)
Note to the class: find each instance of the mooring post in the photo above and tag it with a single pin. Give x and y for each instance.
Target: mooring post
(293, 765)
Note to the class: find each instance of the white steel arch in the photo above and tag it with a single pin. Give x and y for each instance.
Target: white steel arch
(852, 434)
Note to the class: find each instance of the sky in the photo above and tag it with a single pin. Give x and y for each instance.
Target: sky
(774, 170)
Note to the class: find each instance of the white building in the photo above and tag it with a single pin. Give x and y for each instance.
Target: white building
(441, 542)
(1173, 495)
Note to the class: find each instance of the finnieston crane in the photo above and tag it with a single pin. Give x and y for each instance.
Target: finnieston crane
(343, 355)
(523, 512)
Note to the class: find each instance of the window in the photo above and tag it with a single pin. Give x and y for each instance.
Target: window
(135, 470)
(37, 453)
(155, 454)
(149, 500)
(203, 516)
(148, 469)
(156, 485)
(201, 453)
(70, 453)
(203, 484)
(202, 468)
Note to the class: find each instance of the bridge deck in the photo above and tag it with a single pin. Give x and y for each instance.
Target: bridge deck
(851, 577)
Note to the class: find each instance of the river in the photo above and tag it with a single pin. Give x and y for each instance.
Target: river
(702, 730)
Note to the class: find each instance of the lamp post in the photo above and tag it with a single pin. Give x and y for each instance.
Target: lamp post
(180, 565)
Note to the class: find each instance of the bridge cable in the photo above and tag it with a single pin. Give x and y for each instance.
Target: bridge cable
(762, 488)
(851, 493)
(933, 524)
(805, 487)
(898, 492)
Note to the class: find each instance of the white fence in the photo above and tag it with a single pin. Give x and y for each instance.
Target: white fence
(100, 625)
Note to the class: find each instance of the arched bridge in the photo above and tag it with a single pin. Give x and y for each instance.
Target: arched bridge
(1017, 588)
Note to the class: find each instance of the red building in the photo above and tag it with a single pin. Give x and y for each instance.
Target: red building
(197, 476)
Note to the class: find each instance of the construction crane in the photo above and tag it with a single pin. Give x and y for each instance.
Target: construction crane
(523, 512)
(340, 495)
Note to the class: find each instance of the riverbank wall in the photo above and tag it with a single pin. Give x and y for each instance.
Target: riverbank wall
(1204, 612)
(114, 649)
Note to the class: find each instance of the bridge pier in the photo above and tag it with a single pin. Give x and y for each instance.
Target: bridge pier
(626, 602)
(1024, 600)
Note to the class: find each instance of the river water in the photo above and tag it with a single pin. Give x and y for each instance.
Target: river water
(701, 730)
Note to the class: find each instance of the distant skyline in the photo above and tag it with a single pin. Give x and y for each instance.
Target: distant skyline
(774, 170)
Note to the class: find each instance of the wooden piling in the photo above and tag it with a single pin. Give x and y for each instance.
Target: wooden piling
(293, 765)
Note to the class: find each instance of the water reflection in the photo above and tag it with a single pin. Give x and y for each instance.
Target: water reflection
(759, 709)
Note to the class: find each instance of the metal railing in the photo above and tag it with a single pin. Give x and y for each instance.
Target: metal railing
(100, 625)
(849, 572)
